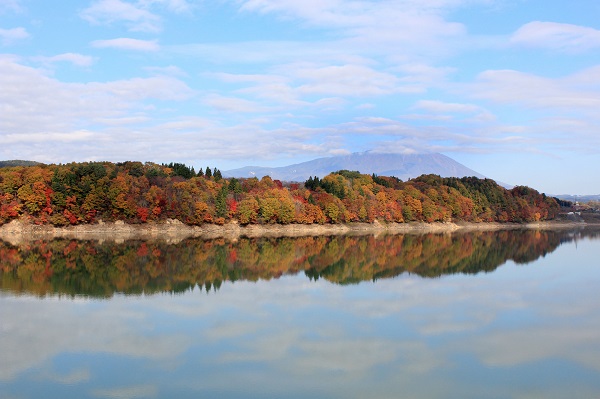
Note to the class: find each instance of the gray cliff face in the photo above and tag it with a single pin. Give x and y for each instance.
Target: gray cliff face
(403, 166)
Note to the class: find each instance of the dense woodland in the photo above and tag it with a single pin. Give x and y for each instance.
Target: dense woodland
(138, 192)
(97, 269)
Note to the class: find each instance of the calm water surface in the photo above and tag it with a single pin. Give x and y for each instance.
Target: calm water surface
(481, 315)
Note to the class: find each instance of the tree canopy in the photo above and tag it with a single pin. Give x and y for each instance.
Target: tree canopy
(138, 192)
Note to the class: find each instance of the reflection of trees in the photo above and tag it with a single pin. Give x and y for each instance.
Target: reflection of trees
(100, 269)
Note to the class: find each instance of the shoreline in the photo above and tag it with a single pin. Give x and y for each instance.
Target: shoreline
(174, 230)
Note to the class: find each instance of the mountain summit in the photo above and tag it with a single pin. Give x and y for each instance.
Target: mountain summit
(402, 166)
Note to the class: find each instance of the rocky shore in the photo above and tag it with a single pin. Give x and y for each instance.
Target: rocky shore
(20, 230)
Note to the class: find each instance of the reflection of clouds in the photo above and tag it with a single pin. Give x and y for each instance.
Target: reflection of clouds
(138, 391)
(459, 309)
(561, 297)
(36, 330)
(362, 355)
(273, 336)
(265, 348)
(234, 329)
(446, 323)
(561, 392)
(74, 377)
(510, 348)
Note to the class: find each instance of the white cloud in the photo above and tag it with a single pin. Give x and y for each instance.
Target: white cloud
(46, 136)
(389, 135)
(124, 43)
(9, 36)
(74, 58)
(277, 91)
(343, 80)
(557, 36)
(246, 78)
(277, 52)
(137, 89)
(441, 109)
(315, 11)
(231, 104)
(33, 103)
(419, 77)
(140, 15)
(411, 27)
(135, 17)
(348, 13)
(52, 121)
(170, 70)
(177, 6)
(305, 84)
(10, 6)
(573, 93)
(366, 106)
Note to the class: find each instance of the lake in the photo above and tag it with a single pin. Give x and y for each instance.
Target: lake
(508, 314)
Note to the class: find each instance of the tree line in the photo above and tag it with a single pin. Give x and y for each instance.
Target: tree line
(136, 192)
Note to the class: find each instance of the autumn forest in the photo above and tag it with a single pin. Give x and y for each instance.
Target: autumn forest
(135, 192)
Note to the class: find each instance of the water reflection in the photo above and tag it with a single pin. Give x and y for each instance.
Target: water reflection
(520, 332)
(97, 269)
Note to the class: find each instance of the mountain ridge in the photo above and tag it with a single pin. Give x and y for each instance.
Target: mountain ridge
(402, 166)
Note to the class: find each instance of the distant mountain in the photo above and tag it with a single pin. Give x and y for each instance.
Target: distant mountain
(402, 166)
(578, 198)
(17, 162)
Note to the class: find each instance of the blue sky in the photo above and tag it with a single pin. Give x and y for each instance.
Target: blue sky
(510, 88)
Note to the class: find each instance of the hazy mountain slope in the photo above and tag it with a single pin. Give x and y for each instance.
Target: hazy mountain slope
(403, 166)
(17, 162)
(578, 198)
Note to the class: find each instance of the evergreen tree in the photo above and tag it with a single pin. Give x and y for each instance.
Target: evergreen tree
(221, 202)
(217, 174)
(312, 183)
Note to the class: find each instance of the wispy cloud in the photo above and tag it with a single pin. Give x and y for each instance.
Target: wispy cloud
(10, 6)
(343, 80)
(557, 36)
(170, 70)
(448, 110)
(231, 104)
(9, 36)
(124, 43)
(52, 105)
(301, 84)
(138, 16)
(73, 58)
(135, 17)
(177, 6)
(414, 27)
(572, 93)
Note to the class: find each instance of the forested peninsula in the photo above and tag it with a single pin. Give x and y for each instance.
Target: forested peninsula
(140, 193)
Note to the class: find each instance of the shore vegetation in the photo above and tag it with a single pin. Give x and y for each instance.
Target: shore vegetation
(138, 193)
